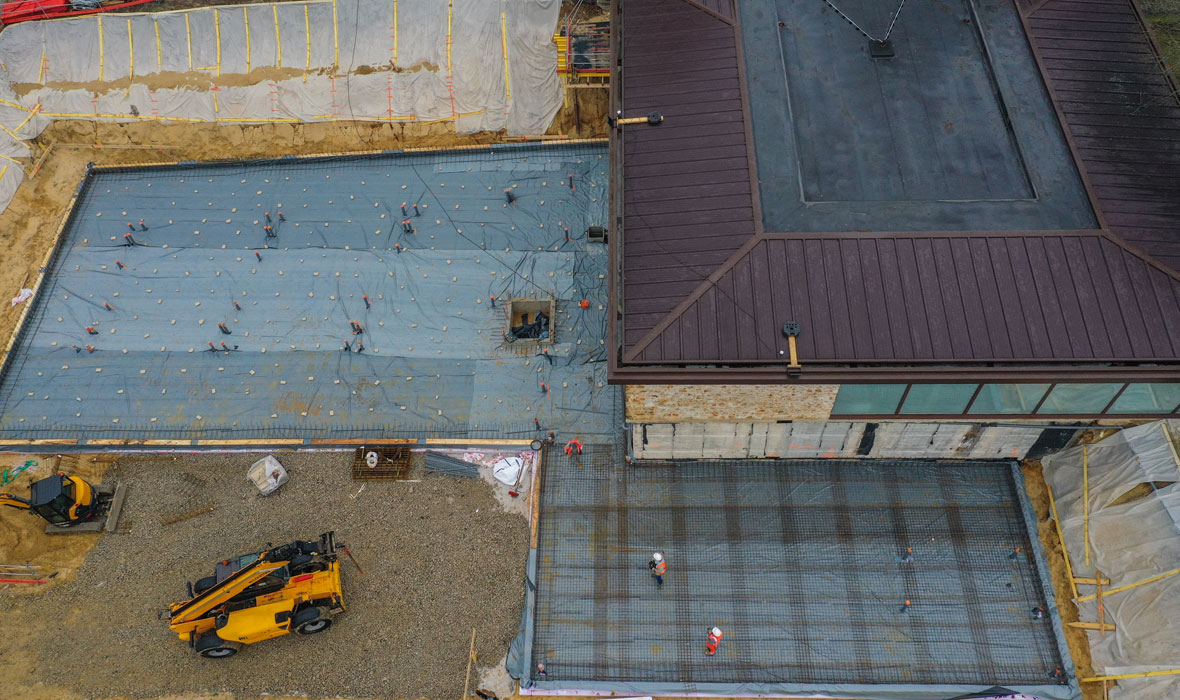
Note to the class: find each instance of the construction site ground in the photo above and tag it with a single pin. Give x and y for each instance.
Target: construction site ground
(439, 556)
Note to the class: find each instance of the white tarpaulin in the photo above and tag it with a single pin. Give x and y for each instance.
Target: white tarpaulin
(481, 64)
(1134, 543)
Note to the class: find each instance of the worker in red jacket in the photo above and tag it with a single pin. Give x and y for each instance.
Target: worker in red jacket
(658, 567)
(713, 641)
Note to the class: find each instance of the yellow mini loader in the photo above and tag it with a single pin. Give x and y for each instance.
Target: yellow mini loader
(258, 596)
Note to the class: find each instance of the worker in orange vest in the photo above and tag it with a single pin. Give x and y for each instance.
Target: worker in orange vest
(658, 567)
(713, 641)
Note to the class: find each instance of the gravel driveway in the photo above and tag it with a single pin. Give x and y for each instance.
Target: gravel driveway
(440, 557)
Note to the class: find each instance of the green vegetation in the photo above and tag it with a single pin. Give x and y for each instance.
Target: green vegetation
(1164, 17)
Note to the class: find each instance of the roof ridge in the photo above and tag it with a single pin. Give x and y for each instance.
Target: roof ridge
(1140, 253)
(686, 303)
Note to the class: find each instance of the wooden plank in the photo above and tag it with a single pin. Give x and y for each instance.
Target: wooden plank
(470, 661)
(1100, 626)
(535, 496)
(464, 441)
(362, 441)
(112, 519)
(261, 442)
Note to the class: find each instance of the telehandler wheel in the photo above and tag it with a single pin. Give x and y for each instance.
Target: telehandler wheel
(211, 646)
(311, 620)
(204, 584)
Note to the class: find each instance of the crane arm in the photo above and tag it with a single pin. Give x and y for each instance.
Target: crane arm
(7, 499)
(235, 583)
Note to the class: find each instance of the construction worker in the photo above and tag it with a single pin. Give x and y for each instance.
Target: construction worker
(658, 567)
(713, 641)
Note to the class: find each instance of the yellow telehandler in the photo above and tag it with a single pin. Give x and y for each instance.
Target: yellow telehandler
(254, 597)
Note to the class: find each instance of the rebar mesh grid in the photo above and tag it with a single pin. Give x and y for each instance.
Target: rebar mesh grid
(348, 296)
(807, 566)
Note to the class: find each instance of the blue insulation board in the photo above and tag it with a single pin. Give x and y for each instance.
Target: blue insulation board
(431, 358)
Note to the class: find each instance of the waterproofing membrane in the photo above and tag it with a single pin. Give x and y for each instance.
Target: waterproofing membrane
(805, 565)
(435, 361)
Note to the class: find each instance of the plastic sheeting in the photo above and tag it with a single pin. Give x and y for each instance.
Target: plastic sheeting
(1129, 542)
(482, 64)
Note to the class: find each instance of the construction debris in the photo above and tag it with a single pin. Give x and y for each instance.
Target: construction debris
(442, 464)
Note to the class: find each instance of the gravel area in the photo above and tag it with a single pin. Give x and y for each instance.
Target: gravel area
(440, 557)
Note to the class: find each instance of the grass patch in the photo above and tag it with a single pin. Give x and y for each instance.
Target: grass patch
(1164, 17)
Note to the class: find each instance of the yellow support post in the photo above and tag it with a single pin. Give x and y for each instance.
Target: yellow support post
(217, 34)
(278, 39)
(1086, 500)
(159, 49)
(246, 21)
(101, 51)
(1122, 676)
(450, 66)
(130, 59)
(1129, 586)
(335, 40)
(41, 72)
(395, 33)
(504, 49)
(188, 32)
(36, 108)
(1073, 586)
(307, 33)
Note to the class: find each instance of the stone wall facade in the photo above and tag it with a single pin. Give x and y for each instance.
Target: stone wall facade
(670, 403)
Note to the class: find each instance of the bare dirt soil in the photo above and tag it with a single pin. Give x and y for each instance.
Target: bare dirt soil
(22, 534)
(440, 557)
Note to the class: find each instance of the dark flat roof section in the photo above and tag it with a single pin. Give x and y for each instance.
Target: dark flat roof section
(954, 132)
(923, 215)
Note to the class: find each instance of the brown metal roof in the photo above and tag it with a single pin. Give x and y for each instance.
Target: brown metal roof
(1123, 113)
(703, 287)
(929, 297)
(687, 193)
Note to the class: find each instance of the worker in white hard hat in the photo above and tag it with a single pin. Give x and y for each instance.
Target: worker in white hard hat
(713, 641)
(658, 567)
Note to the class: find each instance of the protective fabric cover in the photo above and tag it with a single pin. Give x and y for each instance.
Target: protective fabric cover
(1129, 542)
(481, 64)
